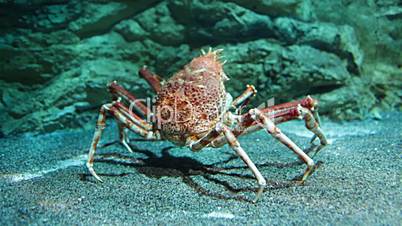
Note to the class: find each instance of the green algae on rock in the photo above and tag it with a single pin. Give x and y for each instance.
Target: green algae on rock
(57, 56)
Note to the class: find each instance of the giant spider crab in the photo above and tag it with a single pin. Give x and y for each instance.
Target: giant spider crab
(193, 109)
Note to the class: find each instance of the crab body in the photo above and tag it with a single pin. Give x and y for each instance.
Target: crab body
(191, 103)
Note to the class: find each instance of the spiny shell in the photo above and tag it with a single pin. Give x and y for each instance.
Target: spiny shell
(192, 101)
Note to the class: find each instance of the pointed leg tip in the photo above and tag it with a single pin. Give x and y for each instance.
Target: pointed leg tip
(259, 193)
(257, 198)
(127, 146)
(97, 177)
(93, 173)
(308, 173)
(130, 150)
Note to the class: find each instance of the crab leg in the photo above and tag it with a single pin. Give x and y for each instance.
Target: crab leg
(137, 104)
(153, 80)
(123, 119)
(270, 127)
(307, 102)
(204, 141)
(313, 125)
(100, 126)
(122, 127)
(235, 145)
(279, 114)
(303, 109)
(245, 97)
(132, 117)
(249, 125)
(123, 137)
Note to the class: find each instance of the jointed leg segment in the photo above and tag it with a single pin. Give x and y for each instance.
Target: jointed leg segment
(100, 126)
(123, 137)
(235, 145)
(124, 121)
(220, 130)
(270, 127)
(153, 80)
(259, 119)
(313, 125)
(244, 98)
(118, 92)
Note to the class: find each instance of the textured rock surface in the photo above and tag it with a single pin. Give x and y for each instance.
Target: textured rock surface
(57, 56)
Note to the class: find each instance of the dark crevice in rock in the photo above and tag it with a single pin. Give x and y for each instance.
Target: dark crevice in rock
(348, 56)
(324, 88)
(395, 16)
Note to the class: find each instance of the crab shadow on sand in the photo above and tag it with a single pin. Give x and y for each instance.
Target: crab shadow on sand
(167, 165)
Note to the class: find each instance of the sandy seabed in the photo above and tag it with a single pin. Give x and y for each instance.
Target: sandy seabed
(43, 180)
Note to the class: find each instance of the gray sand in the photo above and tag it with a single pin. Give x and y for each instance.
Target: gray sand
(43, 180)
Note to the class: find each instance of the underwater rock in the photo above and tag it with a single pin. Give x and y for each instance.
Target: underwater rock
(283, 72)
(353, 101)
(226, 22)
(61, 104)
(340, 40)
(377, 24)
(299, 9)
(97, 18)
(56, 56)
(160, 26)
(131, 30)
(33, 65)
(232, 23)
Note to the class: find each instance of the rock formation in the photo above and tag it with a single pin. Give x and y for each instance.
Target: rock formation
(57, 56)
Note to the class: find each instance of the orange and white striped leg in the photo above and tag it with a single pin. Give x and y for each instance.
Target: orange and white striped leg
(235, 145)
(245, 97)
(270, 127)
(204, 141)
(100, 126)
(123, 137)
(152, 79)
(123, 118)
(313, 125)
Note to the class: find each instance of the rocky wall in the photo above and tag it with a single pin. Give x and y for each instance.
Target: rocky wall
(57, 56)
